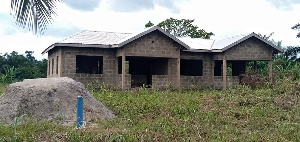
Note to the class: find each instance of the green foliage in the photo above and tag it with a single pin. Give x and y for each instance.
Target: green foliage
(149, 24)
(286, 68)
(238, 114)
(182, 28)
(297, 27)
(15, 67)
(35, 15)
(2, 88)
(292, 53)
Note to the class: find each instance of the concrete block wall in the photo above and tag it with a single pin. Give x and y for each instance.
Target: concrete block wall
(172, 72)
(127, 81)
(109, 67)
(251, 49)
(96, 79)
(191, 82)
(54, 63)
(230, 82)
(160, 81)
(207, 76)
(154, 44)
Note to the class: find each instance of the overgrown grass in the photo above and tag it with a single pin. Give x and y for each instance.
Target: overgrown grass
(2, 88)
(240, 114)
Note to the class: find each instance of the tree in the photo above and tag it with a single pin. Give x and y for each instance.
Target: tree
(34, 14)
(149, 24)
(292, 53)
(297, 27)
(182, 28)
(16, 67)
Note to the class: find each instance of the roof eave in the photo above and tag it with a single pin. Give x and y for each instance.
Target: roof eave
(196, 50)
(74, 45)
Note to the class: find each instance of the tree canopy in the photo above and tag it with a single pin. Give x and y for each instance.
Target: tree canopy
(182, 28)
(297, 27)
(16, 67)
(34, 14)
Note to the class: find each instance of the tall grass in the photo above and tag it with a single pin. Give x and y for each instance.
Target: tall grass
(2, 88)
(270, 113)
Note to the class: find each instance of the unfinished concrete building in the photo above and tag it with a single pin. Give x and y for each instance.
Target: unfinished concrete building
(154, 58)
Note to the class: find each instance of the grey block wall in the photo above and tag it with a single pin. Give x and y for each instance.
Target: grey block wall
(154, 44)
(160, 81)
(62, 61)
(68, 67)
(251, 50)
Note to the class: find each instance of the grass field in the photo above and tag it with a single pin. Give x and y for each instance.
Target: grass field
(2, 88)
(240, 114)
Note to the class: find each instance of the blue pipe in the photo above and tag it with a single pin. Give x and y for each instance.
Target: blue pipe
(79, 111)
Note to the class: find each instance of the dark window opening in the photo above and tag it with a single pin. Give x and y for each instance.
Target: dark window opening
(218, 69)
(89, 64)
(49, 65)
(234, 68)
(52, 65)
(191, 67)
(57, 65)
(238, 67)
(119, 65)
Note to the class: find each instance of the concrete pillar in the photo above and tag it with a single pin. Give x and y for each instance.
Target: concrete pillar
(212, 73)
(117, 71)
(224, 74)
(270, 71)
(178, 74)
(123, 72)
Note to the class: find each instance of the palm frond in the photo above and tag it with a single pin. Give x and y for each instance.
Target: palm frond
(34, 14)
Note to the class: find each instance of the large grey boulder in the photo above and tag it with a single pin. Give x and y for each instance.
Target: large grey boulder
(50, 99)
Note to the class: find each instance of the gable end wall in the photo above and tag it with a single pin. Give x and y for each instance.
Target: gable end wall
(154, 44)
(251, 49)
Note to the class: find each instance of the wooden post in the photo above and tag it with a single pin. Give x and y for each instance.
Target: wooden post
(224, 74)
(270, 72)
(123, 72)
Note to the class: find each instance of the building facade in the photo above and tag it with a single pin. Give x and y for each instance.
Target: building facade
(156, 59)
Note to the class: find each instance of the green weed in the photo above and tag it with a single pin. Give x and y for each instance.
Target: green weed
(2, 88)
(268, 113)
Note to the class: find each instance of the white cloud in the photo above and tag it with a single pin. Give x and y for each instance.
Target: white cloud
(25, 41)
(224, 18)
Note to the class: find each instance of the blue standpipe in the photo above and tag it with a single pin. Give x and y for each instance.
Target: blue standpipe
(79, 111)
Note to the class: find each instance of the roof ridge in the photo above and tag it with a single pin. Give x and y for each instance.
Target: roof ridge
(234, 36)
(107, 31)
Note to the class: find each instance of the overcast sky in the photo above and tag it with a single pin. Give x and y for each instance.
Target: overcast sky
(223, 18)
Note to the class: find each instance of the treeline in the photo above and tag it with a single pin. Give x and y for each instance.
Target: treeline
(286, 64)
(17, 67)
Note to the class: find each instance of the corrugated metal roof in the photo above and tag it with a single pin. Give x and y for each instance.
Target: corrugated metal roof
(197, 43)
(100, 39)
(220, 45)
(96, 37)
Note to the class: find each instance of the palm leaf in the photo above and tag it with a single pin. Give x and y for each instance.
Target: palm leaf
(34, 14)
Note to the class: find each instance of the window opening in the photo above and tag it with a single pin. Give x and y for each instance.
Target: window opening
(89, 64)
